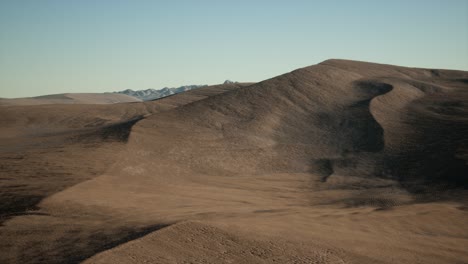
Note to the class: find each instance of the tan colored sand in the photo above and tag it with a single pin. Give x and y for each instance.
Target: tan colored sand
(72, 98)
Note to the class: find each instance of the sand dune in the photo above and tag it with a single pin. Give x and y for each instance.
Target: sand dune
(67, 144)
(340, 162)
(72, 98)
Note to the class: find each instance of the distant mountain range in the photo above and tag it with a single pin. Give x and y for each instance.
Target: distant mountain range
(152, 94)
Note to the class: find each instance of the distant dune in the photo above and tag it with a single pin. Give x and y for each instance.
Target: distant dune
(72, 98)
(339, 162)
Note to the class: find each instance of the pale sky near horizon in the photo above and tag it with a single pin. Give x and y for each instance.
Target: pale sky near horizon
(49, 47)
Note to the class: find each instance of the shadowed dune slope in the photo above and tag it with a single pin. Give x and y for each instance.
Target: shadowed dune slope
(340, 162)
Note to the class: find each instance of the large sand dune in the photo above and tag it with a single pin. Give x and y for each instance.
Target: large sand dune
(340, 162)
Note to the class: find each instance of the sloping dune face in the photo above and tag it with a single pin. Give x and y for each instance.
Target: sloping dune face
(348, 124)
(340, 162)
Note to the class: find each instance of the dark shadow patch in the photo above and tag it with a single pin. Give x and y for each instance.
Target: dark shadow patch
(370, 88)
(324, 168)
(434, 160)
(379, 202)
(119, 132)
(18, 204)
(102, 242)
(270, 211)
(435, 73)
(352, 129)
(380, 209)
(357, 125)
(77, 245)
(116, 132)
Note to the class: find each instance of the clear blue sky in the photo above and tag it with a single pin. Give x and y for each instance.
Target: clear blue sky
(96, 45)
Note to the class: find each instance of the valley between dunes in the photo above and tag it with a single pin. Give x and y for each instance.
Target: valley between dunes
(339, 162)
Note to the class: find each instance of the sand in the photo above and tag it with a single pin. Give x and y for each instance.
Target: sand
(339, 162)
(72, 98)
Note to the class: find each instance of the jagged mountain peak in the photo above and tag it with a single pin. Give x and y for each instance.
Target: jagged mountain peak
(151, 93)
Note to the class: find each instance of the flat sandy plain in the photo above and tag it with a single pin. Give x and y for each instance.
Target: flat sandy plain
(72, 98)
(339, 162)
